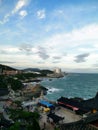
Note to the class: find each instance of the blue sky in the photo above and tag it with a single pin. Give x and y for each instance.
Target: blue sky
(49, 34)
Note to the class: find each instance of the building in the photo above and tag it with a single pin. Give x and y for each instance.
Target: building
(3, 91)
(0, 71)
(88, 123)
(80, 106)
(57, 71)
(11, 72)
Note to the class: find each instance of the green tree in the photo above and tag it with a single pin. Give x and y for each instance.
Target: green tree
(15, 84)
(29, 119)
(15, 126)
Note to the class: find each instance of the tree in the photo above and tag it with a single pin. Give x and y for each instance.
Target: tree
(29, 119)
(15, 126)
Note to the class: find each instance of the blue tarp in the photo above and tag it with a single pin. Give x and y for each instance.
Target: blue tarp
(45, 103)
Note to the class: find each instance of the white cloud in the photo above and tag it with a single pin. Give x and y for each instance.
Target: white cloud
(96, 45)
(73, 43)
(93, 58)
(60, 11)
(23, 13)
(86, 33)
(20, 58)
(41, 14)
(9, 50)
(5, 19)
(20, 4)
(75, 39)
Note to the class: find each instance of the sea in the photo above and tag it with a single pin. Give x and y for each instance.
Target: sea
(72, 85)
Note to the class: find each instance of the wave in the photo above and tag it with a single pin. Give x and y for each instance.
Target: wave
(53, 90)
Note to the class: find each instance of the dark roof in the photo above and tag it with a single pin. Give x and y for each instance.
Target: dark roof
(55, 118)
(91, 103)
(83, 124)
(3, 91)
(73, 103)
(79, 125)
(91, 118)
(84, 105)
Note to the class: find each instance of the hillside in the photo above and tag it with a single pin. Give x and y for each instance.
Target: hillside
(37, 70)
(5, 67)
(31, 69)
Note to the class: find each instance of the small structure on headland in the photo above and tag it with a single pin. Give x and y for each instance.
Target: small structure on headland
(57, 73)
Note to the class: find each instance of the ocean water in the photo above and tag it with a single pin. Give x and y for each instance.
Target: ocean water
(73, 85)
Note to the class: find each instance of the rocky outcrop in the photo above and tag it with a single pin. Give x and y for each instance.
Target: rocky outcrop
(35, 91)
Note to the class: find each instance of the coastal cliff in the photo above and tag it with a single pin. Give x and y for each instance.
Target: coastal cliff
(34, 91)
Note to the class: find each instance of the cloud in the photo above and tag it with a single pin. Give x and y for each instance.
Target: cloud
(81, 57)
(42, 53)
(29, 49)
(41, 14)
(20, 4)
(7, 62)
(9, 50)
(54, 62)
(40, 62)
(26, 48)
(23, 13)
(56, 57)
(3, 52)
(5, 19)
(77, 41)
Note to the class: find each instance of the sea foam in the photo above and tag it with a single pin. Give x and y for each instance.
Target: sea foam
(53, 90)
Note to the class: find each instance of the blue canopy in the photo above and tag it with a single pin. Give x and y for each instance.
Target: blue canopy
(45, 103)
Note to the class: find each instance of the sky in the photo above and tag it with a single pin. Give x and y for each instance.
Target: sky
(49, 34)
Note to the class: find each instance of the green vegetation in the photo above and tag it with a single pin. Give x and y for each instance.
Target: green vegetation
(15, 84)
(28, 120)
(5, 81)
(45, 72)
(27, 76)
(56, 128)
(15, 126)
(20, 114)
(18, 103)
(42, 73)
(15, 81)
